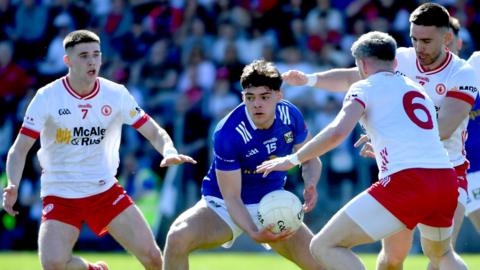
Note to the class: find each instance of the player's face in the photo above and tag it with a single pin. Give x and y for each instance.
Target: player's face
(429, 43)
(261, 103)
(84, 61)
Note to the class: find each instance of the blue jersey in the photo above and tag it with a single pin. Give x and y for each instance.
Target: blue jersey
(472, 145)
(238, 144)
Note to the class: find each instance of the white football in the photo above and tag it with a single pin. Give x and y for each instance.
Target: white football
(281, 208)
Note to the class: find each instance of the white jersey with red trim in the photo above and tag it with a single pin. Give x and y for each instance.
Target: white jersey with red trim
(400, 121)
(453, 78)
(80, 135)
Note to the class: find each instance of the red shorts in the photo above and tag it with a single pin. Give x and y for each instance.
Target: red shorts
(427, 196)
(96, 211)
(461, 171)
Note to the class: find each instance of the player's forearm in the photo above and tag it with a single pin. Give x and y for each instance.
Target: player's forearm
(239, 213)
(311, 171)
(323, 142)
(14, 167)
(337, 80)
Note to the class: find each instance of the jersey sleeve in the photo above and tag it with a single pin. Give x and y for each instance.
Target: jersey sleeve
(474, 61)
(225, 151)
(356, 93)
(35, 116)
(464, 85)
(132, 114)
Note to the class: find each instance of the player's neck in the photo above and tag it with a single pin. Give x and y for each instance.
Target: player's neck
(82, 87)
(438, 62)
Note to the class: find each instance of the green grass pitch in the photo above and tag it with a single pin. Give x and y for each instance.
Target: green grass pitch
(209, 261)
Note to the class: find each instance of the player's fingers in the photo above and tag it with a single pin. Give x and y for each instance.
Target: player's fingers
(363, 139)
(188, 159)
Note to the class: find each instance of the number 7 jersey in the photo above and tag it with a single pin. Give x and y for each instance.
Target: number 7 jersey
(80, 135)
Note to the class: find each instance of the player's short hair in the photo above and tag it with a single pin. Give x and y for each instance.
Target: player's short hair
(454, 25)
(375, 44)
(79, 36)
(261, 73)
(430, 14)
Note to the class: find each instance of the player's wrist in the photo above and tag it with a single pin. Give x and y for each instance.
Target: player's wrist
(293, 158)
(311, 80)
(170, 151)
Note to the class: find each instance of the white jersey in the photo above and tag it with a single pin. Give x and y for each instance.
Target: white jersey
(80, 136)
(453, 78)
(400, 121)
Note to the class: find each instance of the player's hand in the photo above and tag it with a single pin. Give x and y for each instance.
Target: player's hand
(176, 159)
(367, 149)
(266, 235)
(310, 196)
(10, 194)
(295, 78)
(276, 164)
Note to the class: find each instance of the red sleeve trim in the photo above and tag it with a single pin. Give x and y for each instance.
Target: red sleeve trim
(30, 132)
(141, 121)
(361, 102)
(459, 95)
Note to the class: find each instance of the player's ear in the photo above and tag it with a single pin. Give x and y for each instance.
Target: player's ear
(279, 95)
(459, 44)
(448, 37)
(66, 60)
(395, 63)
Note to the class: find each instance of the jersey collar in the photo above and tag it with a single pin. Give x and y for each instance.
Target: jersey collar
(75, 94)
(445, 63)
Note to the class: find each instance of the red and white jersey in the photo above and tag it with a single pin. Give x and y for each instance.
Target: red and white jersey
(80, 135)
(400, 121)
(453, 78)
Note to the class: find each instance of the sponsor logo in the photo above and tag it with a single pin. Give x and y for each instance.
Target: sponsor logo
(441, 89)
(106, 110)
(470, 88)
(29, 120)
(121, 196)
(252, 152)
(47, 209)
(288, 137)
(101, 182)
(80, 136)
(400, 73)
(214, 203)
(85, 106)
(64, 112)
(420, 78)
(133, 113)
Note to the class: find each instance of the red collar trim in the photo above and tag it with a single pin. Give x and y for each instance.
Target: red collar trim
(75, 94)
(445, 63)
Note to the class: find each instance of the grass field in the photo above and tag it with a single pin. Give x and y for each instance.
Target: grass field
(209, 261)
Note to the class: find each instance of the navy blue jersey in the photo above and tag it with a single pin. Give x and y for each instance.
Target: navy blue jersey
(238, 144)
(472, 145)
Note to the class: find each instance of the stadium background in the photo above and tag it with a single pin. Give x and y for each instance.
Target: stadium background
(182, 60)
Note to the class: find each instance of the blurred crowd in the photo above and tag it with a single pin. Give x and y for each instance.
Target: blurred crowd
(182, 61)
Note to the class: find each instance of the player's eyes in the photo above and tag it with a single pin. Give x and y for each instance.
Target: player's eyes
(265, 97)
(249, 98)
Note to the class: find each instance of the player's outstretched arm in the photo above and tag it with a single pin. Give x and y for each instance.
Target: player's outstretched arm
(15, 163)
(311, 171)
(162, 142)
(334, 80)
(326, 140)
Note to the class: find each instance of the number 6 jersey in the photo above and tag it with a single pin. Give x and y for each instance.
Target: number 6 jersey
(80, 135)
(401, 122)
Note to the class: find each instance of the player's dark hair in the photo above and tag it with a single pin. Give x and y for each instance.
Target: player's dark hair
(79, 36)
(430, 14)
(454, 25)
(261, 73)
(375, 44)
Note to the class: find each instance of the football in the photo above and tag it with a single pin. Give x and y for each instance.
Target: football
(281, 208)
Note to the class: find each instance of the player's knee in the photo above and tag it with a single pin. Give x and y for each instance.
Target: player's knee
(177, 240)
(392, 260)
(318, 247)
(53, 263)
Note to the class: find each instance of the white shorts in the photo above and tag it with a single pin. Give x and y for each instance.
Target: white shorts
(473, 200)
(219, 207)
(376, 221)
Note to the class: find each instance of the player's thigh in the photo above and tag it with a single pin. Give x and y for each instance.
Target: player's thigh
(200, 227)
(433, 248)
(398, 244)
(131, 230)
(56, 240)
(475, 218)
